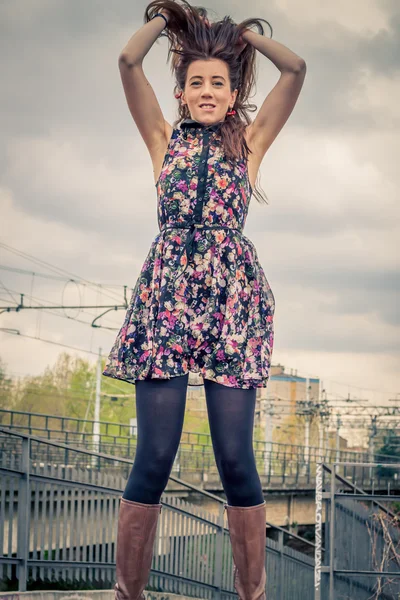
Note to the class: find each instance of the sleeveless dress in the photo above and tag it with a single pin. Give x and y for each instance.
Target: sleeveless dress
(202, 302)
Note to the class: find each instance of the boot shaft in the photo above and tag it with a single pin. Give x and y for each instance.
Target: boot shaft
(247, 531)
(137, 528)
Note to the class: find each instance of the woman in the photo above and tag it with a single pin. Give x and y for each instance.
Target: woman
(202, 302)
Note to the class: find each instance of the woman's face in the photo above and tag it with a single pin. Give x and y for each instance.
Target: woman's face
(207, 82)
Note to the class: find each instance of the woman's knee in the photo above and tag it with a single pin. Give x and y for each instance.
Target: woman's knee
(156, 463)
(236, 469)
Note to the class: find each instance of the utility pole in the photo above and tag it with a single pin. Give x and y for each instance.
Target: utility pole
(324, 414)
(96, 424)
(307, 409)
(321, 439)
(327, 446)
(371, 444)
(338, 424)
(321, 425)
(307, 427)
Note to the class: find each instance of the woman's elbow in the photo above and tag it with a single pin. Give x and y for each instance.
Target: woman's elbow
(125, 60)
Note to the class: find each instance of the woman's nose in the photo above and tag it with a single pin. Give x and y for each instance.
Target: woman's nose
(207, 90)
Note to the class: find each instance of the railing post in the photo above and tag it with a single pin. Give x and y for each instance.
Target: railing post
(269, 468)
(332, 559)
(219, 546)
(65, 461)
(318, 531)
(284, 467)
(24, 507)
(298, 471)
(281, 566)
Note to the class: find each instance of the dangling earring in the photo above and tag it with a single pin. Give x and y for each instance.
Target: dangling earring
(231, 112)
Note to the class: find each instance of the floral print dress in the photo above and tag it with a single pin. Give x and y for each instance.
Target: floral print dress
(202, 302)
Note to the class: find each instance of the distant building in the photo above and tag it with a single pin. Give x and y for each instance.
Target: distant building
(289, 386)
(283, 389)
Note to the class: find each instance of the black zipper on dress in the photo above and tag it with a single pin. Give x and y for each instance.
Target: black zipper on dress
(202, 177)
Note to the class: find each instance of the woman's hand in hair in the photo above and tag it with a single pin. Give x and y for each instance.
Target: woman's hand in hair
(206, 21)
(164, 11)
(241, 44)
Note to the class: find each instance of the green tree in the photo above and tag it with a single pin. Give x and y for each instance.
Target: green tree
(390, 448)
(6, 387)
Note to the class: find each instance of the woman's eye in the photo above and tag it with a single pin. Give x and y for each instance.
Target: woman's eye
(217, 82)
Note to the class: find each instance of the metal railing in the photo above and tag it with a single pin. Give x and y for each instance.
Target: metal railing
(362, 538)
(278, 464)
(59, 521)
(277, 470)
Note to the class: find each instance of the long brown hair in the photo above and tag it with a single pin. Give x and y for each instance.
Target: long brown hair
(192, 37)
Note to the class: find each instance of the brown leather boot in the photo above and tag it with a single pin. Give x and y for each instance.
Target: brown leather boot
(247, 532)
(137, 527)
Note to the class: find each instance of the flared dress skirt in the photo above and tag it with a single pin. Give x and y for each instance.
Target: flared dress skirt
(202, 302)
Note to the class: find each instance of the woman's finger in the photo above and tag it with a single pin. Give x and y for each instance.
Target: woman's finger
(206, 21)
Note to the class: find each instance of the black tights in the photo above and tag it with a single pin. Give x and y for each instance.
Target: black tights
(160, 411)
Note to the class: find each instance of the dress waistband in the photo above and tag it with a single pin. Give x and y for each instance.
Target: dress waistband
(189, 246)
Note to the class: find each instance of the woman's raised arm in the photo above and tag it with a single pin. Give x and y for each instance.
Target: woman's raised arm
(281, 100)
(142, 101)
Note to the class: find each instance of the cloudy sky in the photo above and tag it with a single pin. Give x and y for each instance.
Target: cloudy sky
(78, 201)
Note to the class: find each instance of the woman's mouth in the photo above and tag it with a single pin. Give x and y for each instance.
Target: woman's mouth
(207, 106)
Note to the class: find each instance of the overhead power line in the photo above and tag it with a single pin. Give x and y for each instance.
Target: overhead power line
(21, 306)
(47, 309)
(54, 277)
(18, 333)
(55, 269)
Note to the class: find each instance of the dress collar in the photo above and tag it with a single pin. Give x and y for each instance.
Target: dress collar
(191, 123)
